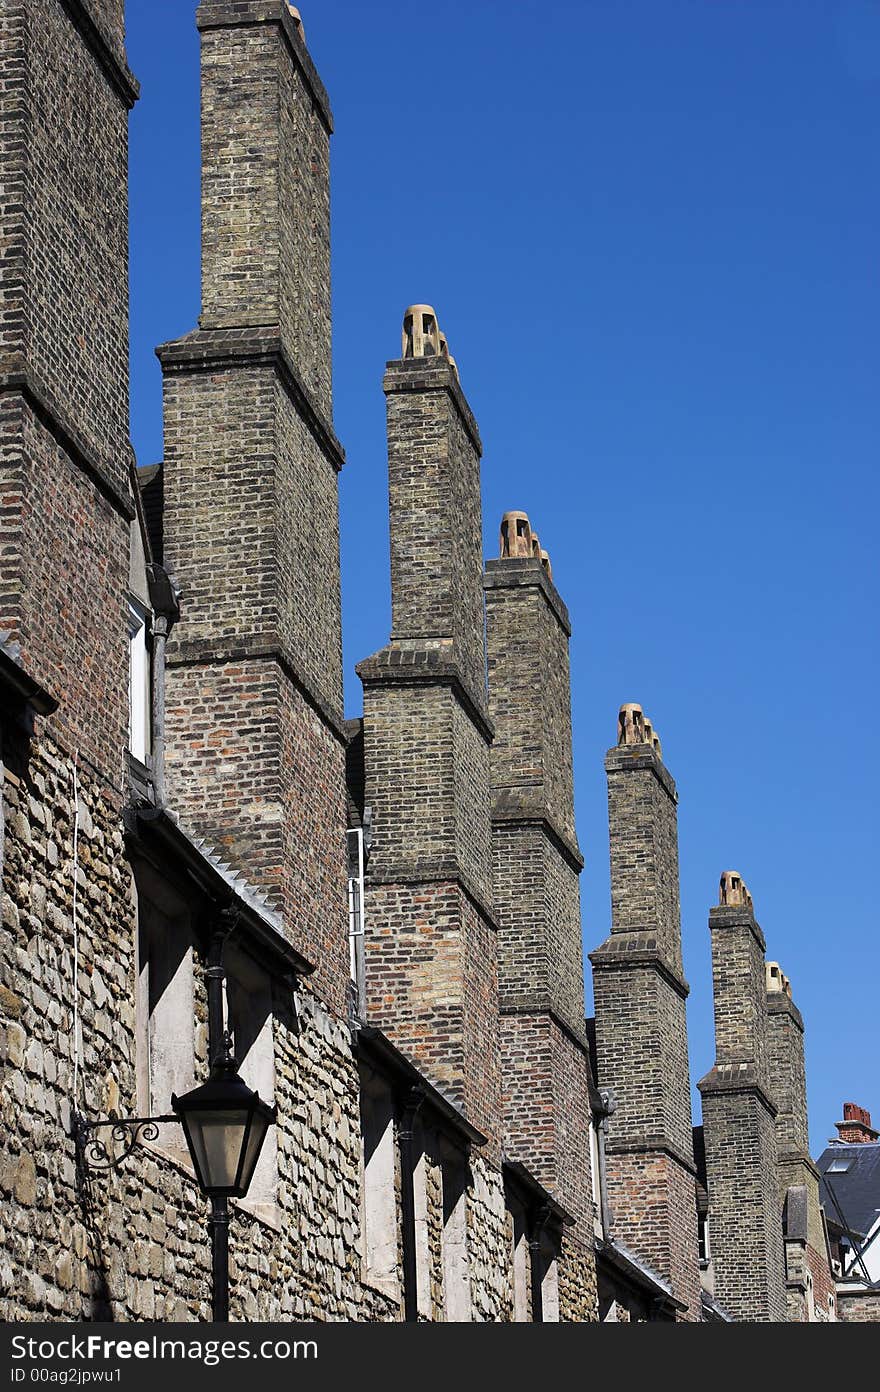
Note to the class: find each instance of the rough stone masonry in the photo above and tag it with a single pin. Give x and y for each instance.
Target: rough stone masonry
(391, 904)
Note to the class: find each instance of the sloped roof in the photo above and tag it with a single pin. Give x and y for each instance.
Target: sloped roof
(857, 1188)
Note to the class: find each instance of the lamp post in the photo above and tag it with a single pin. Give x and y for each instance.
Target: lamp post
(225, 1125)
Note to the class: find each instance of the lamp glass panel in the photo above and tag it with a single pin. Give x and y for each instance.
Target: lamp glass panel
(259, 1127)
(216, 1140)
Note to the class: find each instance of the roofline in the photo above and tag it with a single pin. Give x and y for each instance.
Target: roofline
(375, 1046)
(522, 1176)
(638, 1272)
(155, 827)
(19, 688)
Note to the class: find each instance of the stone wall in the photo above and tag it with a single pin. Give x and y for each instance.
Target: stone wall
(67, 1248)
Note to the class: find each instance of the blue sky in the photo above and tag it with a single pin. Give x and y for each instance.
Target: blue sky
(650, 233)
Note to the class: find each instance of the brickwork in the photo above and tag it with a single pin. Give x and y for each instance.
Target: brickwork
(545, 1055)
(266, 127)
(436, 533)
(64, 451)
(788, 1088)
(473, 951)
(248, 746)
(431, 971)
(641, 1026)
(739, 1126)
(859, 1307)
(251, 528)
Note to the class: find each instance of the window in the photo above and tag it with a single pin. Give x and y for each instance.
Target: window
(456, 1270)
(550, 1277)
(704, 1250)
(379, 1225)
(250, 1022)
(519, 1239)
(164, 1011)
(355, 845)
(138, 681)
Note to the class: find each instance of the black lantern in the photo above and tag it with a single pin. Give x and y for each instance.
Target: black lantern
(225, 1125)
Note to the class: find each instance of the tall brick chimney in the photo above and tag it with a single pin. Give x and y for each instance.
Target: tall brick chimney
(255, 739)
(739, 1118)
(431, 971)
(803, 1230)
(641, 1025)
(856, 1128)
(537, 864)
(66, 457)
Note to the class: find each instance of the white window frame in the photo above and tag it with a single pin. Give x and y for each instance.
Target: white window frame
(139, 722)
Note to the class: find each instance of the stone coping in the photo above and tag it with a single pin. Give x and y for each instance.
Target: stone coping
(527, 572)
(240, 14)
(431, 374)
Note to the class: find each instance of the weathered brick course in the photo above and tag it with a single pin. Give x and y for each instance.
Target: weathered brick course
(536, 860)
(739, 1127)
(641, 1026)
(255, 737)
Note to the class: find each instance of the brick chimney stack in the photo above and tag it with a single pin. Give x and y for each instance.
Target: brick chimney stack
(431, 967)
(255, 734)
(739, 1118)
(856, 1128)
(537, 863)
(641, 1025)
(805, 1254)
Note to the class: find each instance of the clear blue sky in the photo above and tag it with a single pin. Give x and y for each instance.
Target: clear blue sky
(650, 232)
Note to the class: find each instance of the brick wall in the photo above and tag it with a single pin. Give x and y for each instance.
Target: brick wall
(859, 1307)
(255, 737)
(788, 1088)
(436, 532)
(545, 1055)
(641, 1026)
(266, 126)
(64, 450)
(431, 968)
(739, 1127)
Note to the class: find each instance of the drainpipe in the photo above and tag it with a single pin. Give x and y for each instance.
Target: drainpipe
(218, 1044)
(412, 1103)
(610, 1106)
(166, 610)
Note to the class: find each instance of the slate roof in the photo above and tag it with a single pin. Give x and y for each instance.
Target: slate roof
(857, 1189)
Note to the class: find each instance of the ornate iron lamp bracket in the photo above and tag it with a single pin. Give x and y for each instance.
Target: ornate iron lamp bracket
(126, 1134)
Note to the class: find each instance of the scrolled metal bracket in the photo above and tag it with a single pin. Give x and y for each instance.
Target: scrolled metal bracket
(126, 1134)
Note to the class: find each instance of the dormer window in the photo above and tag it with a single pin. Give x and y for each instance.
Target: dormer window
(138, 681)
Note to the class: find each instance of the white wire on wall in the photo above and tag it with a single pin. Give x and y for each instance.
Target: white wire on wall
(75, 924)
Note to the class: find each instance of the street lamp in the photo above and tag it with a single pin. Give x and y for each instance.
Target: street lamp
(225, 1125)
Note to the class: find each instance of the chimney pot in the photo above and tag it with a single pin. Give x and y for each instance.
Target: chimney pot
(421, 333)
(734, 891)
(516, 535)
(631, 724)
(297, 19)
(856, 1128)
